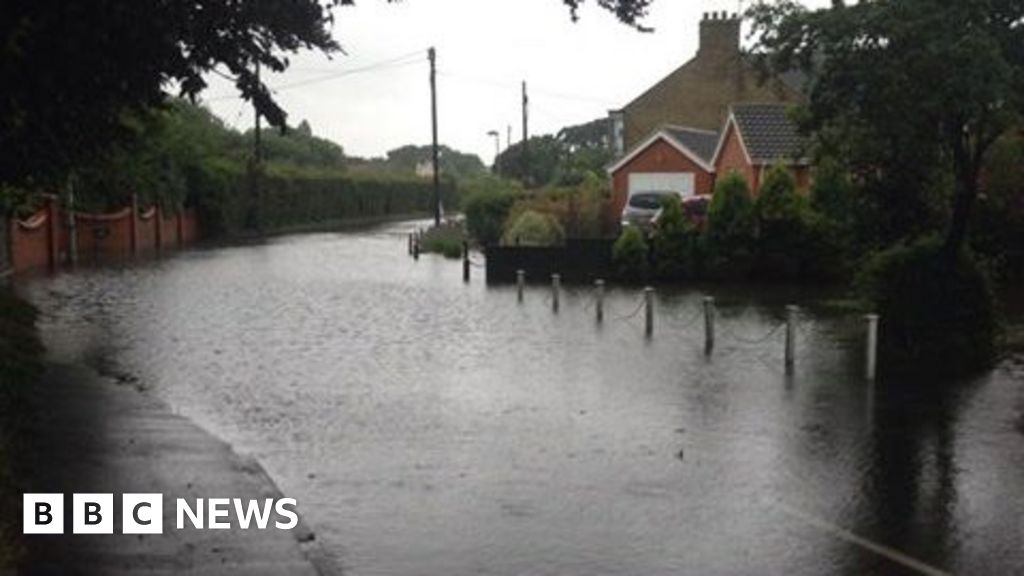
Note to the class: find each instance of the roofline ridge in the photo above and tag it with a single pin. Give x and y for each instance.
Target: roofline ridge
(690, 128)
(772, 104)
(660, 133)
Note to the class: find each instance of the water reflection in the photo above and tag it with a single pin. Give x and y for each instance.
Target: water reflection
(427, 426)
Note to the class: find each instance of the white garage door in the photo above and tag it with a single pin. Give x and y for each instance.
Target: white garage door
(679, 182)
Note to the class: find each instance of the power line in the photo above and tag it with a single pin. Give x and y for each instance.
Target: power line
(396, 62)
(533, 88)
(343, 74)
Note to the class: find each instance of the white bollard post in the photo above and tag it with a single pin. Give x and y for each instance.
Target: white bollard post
(599, 303)
(556, 288)
(520, 282)
(871, 356)
(709, 324)
(649, 306)
(791, 312)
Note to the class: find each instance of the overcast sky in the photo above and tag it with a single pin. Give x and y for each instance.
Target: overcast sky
(377, 97)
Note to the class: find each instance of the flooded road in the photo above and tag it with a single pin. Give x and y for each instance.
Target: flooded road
(431, 427)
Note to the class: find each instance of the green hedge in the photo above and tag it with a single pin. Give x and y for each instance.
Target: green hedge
(938, 315)
(290, 198)
(630, 255)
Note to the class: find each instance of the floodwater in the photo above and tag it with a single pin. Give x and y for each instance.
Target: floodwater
(430, 427)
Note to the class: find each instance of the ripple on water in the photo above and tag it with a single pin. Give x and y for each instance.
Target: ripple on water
(427, 426)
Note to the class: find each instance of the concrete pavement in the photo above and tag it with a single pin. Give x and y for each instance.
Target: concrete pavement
(103, 435)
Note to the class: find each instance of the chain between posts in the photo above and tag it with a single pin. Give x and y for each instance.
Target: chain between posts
(689, 322)
(633, 314)
(707, 311)
(752, 341)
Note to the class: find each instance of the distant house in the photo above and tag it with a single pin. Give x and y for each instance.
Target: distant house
(425, 169)
(755, 137)
(690, 160)
(672, 159)
(699, 93)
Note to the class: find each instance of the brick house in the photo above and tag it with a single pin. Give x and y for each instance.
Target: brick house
(699, 93)
(673, 158)
(755, 137)
(689, 160)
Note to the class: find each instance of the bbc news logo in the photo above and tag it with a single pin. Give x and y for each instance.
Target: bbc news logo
(143, 514)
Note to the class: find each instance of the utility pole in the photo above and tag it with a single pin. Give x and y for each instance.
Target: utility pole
(525, 160)
(257, 137)
(257, 160)
(432, 55)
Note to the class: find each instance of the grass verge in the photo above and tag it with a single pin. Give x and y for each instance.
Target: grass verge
(446, 239)
(20, 365)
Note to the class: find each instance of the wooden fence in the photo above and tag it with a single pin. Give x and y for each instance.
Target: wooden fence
(579, 260)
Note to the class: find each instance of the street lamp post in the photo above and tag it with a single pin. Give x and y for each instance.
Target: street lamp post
(497, 149)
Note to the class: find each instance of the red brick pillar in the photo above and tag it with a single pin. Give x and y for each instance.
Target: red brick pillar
(133, 225)
(158, 219)
(180, 226)
(52, 232)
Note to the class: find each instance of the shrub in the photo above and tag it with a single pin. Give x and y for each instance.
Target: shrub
(826, 249)
(832, 194)
(487, 203)
(446, 240)
(997, 227)
(938, 314)
(581, 210)
(629, 254)
(783, 221)
(778, 199)
(20, 366)
(674, 242)
(729, 234)
(534, 229)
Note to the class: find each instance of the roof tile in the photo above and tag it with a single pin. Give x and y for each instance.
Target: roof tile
(700, 142)
(768, 132)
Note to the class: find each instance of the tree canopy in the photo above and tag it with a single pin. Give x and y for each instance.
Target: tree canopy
(905, 91)
(72, 70)
(631, 12)
(563, 159)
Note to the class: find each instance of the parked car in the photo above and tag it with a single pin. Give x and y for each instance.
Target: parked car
(642, 208)
(695, 208)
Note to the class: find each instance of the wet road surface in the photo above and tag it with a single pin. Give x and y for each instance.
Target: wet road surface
(431, 427)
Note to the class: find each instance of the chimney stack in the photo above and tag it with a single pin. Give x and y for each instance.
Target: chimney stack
(720, 33)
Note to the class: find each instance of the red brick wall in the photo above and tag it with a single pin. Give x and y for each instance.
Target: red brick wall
(802, 174)
(31, 243)
(168, 229)
(43, 240)
(104, 236)
(733, 158)
(658, 157)
(146, 224)
(189, 226)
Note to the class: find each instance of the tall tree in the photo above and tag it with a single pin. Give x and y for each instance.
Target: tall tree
(70, 71)
(906, 89)
(631, 12)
